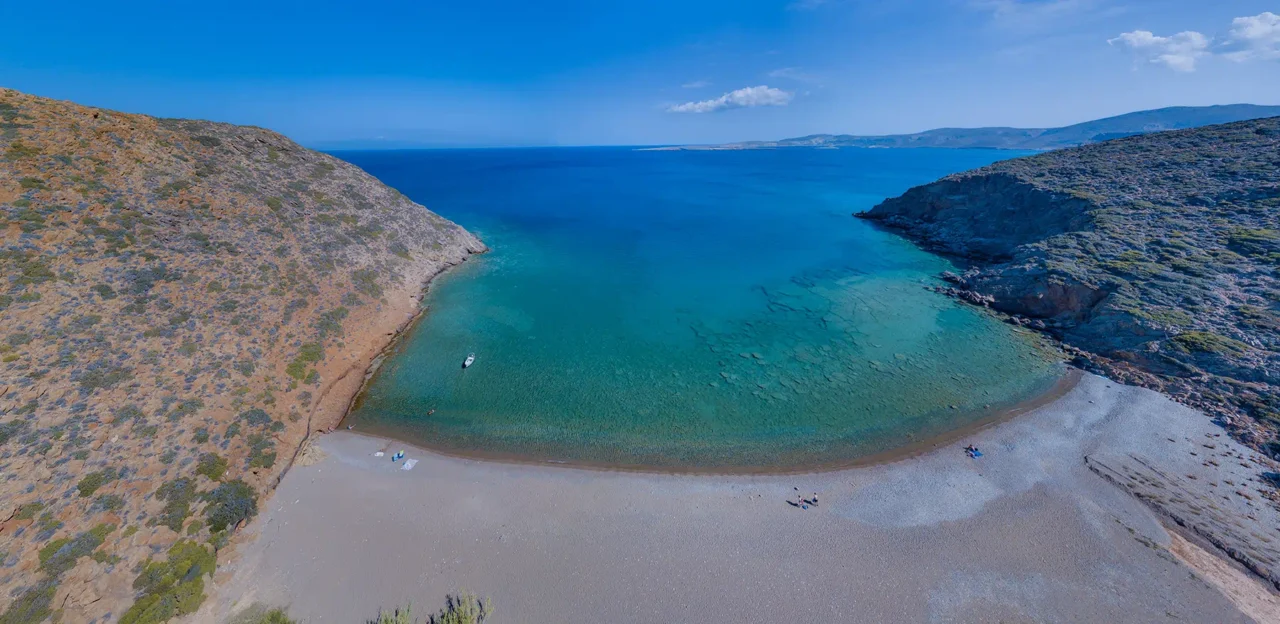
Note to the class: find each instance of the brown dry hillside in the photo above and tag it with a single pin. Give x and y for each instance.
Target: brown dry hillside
(183, 301)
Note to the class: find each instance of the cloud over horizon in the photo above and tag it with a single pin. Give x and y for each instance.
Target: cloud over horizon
(1178, 52)
(746, 97)
(1250, 38)
(1258, 37)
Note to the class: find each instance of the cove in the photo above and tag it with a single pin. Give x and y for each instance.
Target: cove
(688, 310)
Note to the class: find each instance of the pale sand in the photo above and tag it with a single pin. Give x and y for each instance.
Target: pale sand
(1028, 533)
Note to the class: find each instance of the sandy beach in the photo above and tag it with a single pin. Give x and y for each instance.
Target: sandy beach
(1042, 528)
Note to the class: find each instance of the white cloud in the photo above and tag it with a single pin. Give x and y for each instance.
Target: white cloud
(747, 97)
(1179, 52)
(1256, 37)
(696, 84)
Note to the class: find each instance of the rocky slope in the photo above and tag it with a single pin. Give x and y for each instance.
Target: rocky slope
(1155, 256)
(183, 302)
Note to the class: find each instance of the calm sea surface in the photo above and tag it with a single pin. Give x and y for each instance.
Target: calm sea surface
(688, 310)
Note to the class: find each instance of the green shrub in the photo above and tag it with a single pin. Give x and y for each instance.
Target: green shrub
(366, 281)
(1208, 342)
(61, 555)
(109, 502)
(260, 614)
(28, 511)
(330, 322)
(94, 480)
(19, 150)
(259, 457)
(105, 291)
(275, 616)
(307, 354)
(185, 407)
(10, 429)
(462, 608)
(395, 616)
(168, 589)
(104, 377)
(32, 606)
(211, 466)
(178, 495)
(230, 503)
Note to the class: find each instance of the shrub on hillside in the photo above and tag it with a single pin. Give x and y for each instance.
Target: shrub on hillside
(229, 503)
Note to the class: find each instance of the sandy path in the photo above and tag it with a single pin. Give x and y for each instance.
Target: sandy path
(1027, 533)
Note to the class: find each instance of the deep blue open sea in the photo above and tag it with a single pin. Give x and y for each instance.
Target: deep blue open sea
(688, 310)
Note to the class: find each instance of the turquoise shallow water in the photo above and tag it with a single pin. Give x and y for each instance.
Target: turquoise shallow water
(688, 310)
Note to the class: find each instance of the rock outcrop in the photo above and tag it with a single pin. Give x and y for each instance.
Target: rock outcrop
(183, 303)
(1154, 257)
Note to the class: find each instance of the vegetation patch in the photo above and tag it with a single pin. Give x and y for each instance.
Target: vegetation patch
(230, 503)
(1208, 342)
(178, 495)
(61, 555)
(104, 376)
(170, 588)
(94, 480)
(307, 354)
(261, 453)
(33, 605)
(366, 281)
(211, 466)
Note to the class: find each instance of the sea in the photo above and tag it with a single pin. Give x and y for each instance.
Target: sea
(689, 311)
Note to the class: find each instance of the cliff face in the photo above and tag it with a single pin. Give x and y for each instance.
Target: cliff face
(1156, 256)
(181, 301)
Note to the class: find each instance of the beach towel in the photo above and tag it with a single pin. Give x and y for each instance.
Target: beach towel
(408, 464)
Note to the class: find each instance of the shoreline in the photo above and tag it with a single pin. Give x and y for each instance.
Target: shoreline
(327, 404)
(1031, 531)
(1064, 384)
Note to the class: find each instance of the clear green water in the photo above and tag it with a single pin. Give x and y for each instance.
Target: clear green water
(688, 310)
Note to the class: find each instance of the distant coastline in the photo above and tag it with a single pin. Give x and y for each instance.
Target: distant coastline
(1131, 124)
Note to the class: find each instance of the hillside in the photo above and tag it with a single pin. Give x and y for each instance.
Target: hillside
(1174, 118)
(184, 302)
(1155, 256)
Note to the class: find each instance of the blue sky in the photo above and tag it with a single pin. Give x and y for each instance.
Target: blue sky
(574, 72)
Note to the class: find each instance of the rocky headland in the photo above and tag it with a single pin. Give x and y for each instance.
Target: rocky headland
(183, 303)
(1152, 258)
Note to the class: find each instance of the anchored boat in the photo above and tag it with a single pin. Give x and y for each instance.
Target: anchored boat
(470, 358)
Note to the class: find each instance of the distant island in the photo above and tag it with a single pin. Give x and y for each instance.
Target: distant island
(1143, 122)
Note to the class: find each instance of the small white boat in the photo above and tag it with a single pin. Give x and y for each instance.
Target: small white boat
(470, 358)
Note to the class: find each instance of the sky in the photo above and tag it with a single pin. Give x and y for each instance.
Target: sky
(379, 73)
